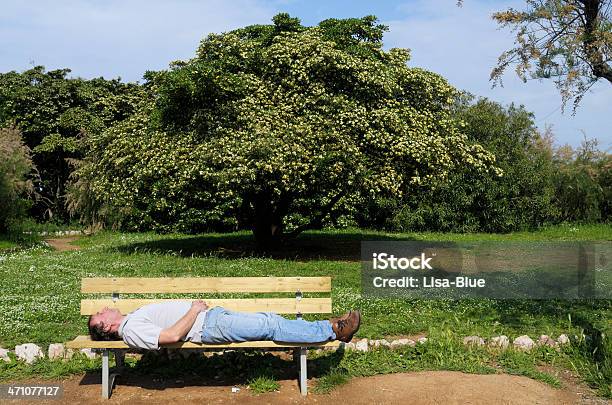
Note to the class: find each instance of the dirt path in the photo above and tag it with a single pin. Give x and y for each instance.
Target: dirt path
(438, 387)
(63, 244)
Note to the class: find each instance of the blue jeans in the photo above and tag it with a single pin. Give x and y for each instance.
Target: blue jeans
(224, 326)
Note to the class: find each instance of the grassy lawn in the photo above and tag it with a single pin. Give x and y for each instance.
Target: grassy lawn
(40, 304)
(6, 244)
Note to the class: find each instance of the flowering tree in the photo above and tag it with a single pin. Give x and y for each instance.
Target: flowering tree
(269, 121)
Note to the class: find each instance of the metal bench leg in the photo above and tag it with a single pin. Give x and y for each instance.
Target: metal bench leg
(105, 376)
(303, 373)
(108, 380)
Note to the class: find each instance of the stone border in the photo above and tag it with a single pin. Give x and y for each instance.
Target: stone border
(58, 233)
(524, 342)
(30, 352)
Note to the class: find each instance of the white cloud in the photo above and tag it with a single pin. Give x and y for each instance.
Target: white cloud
(115, 37)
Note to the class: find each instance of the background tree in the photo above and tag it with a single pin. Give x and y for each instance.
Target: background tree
(568, 41)
(273, 120)
(583, 183)
(523, 198)
(54, 112)
(15, 185)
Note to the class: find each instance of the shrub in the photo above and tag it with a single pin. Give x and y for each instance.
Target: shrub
(470, 200)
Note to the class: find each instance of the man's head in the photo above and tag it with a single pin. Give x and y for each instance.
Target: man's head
(104, 324)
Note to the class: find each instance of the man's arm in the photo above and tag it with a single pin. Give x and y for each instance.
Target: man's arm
(174, 333)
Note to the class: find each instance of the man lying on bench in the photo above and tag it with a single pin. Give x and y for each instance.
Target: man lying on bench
(169, 322)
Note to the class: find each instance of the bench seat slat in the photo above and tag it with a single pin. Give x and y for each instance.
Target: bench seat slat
(205, 284)
(278, 305)
(85, 342)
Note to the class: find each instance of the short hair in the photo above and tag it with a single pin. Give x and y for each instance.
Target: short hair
(98, 333)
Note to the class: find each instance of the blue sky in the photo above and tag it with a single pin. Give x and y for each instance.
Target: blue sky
(125, 38)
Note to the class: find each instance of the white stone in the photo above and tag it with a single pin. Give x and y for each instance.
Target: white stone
(523, 343)
(29, 352)
(379, 343)
(422, 340)
(384, 342)
(347, 346)
(563, 339)
(68, 353)
(545, 340)
(4, 355)
(473, 340)
(89, 353)
(56, 351)
(402, 342)
(362, 345)
(500, 341)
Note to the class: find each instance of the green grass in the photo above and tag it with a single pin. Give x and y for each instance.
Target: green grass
(40, 302)
(521, 363)
(261, 384)
(48, 369)
(30, 225)
(6, 243)
(569, 232)
(331, 380)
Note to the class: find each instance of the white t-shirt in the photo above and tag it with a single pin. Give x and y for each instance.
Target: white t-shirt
(141, 328)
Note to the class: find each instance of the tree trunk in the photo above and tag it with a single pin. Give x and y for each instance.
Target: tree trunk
(268, 224)
(592, 49)
(267, 234)
(268, 228)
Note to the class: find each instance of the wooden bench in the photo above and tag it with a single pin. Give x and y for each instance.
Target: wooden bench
(295, 304)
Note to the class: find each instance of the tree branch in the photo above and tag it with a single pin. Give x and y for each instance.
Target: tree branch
(317, 220)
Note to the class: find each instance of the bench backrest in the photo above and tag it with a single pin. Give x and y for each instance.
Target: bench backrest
(203, 285)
